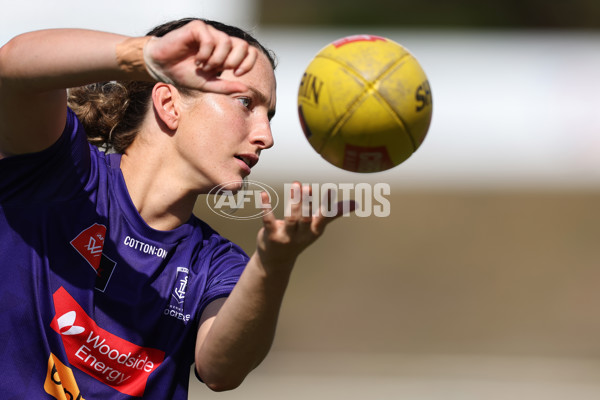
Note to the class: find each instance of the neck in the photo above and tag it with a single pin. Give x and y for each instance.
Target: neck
(161, 200)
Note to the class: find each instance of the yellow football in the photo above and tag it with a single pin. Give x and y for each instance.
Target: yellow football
(364, 103)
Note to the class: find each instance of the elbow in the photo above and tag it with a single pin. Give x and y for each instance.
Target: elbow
(3, 57)
(10, 69)
(6, 56)
(222, 386)
(220, 382)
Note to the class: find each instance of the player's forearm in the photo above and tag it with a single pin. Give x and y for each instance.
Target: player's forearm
(58, 59)
(243, 331)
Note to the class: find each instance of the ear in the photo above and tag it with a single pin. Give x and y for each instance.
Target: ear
(165, 99)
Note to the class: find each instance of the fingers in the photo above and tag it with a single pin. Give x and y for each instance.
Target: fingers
(299, 207)
(286, 239)
(232, 53)
(301, 218)
(298, 213)
(218, 51)
(306, 213)
(207, 39)
(269, 220)
(246, 63)
(194, 56)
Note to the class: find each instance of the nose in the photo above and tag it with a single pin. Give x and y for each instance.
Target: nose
(262, 136)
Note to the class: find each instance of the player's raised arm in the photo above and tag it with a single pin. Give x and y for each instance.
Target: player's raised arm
(237, 333)
(37, 67)
(35, 70)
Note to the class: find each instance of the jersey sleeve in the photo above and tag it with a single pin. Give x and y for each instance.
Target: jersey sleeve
(226, 264)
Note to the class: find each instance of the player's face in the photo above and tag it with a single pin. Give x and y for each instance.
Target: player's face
(223, 135)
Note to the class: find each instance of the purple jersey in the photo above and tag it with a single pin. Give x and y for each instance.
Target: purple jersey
(95, 303)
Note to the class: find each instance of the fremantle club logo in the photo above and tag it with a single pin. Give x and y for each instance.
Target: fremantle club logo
(175, 309)
(180, 284)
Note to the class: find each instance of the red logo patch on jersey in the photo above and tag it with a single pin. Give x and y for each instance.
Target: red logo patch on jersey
(114, 361)
(90, 244)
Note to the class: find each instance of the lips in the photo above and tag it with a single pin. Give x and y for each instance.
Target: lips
(249, 159)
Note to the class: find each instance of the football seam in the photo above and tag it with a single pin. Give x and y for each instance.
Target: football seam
(356, 102)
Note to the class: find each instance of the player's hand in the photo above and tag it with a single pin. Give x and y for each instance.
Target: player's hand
(280, 242)
(194, 55)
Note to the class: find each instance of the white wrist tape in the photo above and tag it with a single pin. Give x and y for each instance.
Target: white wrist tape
(132, 58)
(153, 69)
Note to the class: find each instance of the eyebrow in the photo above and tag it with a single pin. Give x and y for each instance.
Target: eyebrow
(263, 99)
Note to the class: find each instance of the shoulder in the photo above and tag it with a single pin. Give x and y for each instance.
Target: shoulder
(215, 248)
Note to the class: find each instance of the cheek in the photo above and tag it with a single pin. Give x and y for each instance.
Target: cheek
(222, 116)
(210, 111)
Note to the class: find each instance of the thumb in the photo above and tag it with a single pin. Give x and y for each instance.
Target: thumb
(320, 220)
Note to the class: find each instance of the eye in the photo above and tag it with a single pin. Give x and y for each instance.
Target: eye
(246, 101)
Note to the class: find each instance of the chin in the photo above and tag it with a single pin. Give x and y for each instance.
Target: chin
(233, 185)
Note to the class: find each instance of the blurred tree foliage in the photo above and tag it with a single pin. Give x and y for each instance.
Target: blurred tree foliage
(548, 14)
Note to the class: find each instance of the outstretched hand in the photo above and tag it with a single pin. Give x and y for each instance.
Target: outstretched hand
(194, 55)
(280, 242)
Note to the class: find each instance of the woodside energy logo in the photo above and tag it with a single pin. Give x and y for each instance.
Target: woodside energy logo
(114, 361)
